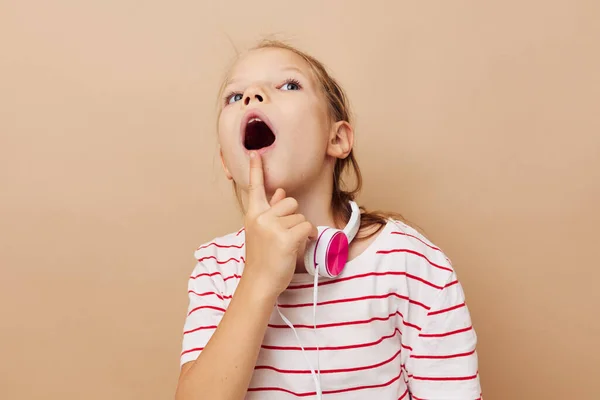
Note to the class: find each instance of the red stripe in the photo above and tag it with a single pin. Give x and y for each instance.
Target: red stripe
(305, 394)
(239, 232)
(221, 261)
(204, 274)
(363, 387)
(236, 276)
(451, 283)
(200, 328)
(351, 346)
(403, 394)
(429, 335)
(209, 307)
(406, 347)
(419, 239)
(445, 310)
(423, 281)
(216, 273)
(192, 350)
(329, 371)
(335, 324)
(412, 325)
(351, 299)
(442, 356)
(221, 246)
(416, 254)
(444, 378)
(348, 278)
(210, 293)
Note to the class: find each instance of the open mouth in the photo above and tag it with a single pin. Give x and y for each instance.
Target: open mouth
(258, 135)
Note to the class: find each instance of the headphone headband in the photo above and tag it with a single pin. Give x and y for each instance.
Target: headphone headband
(353, 225)
(327, 255)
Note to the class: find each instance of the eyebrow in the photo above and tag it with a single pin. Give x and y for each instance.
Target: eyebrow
(294, 68)
(287, 68)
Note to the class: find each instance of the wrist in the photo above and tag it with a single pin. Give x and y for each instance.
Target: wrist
(257, 290)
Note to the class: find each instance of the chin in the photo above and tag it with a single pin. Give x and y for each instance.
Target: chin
(277, 179)
(274, 183)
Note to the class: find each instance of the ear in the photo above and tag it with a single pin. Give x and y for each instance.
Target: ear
(225, 169)
(341, 140)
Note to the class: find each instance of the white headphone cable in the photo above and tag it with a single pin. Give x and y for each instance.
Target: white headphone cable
(316, 376)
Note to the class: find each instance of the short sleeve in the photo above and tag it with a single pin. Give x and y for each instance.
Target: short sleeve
(205, 310)
(443, 363)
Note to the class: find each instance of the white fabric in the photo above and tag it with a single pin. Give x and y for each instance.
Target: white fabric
(394, 320)
(316, 376)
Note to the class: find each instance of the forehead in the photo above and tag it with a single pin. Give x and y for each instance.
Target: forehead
(263, 61)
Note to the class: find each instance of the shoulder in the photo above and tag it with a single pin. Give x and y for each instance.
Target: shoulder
(220, 251)
(420, 255)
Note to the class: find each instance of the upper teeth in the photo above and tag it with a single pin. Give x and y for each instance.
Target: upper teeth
(254, 120)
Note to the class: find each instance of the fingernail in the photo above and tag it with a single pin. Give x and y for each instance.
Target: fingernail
(252, 154)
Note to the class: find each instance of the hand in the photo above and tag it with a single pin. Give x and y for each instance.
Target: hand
(274, 234)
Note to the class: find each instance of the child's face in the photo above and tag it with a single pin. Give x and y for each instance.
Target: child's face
(279, 86)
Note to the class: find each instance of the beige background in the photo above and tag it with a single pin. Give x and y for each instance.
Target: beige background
(479, 122)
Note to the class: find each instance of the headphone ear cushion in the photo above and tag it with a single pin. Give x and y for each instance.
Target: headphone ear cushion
(328, 254)
(309, 256)
(336, 254)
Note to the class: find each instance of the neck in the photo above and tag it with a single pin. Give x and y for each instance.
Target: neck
(314, 203)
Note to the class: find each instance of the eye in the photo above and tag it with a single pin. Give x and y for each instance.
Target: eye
(233, 97)
(290, 84)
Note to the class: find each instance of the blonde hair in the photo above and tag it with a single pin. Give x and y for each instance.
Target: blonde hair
(339, 110)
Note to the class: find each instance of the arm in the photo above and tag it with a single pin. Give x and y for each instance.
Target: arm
(274, 235)
(443, 363)
(224, 367)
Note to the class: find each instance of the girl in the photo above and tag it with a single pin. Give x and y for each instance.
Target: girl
(385, 320)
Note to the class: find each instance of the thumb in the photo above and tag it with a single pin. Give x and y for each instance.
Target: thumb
(277, 197)
(257, 198)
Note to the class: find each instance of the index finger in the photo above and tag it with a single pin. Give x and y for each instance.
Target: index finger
(257, 198)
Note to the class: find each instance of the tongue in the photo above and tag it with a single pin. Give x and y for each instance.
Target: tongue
(258, 136)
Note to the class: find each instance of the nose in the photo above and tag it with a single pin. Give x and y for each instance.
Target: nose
(254, 94)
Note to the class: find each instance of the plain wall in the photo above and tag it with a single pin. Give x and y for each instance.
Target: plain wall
(478, 121)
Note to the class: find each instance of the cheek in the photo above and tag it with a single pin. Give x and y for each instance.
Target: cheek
(309, 122)
(227, 133)
(227, 139)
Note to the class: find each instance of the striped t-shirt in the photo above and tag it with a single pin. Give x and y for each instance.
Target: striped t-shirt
(394, 324)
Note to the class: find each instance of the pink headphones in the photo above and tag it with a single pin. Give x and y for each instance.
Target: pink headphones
(329, 253)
